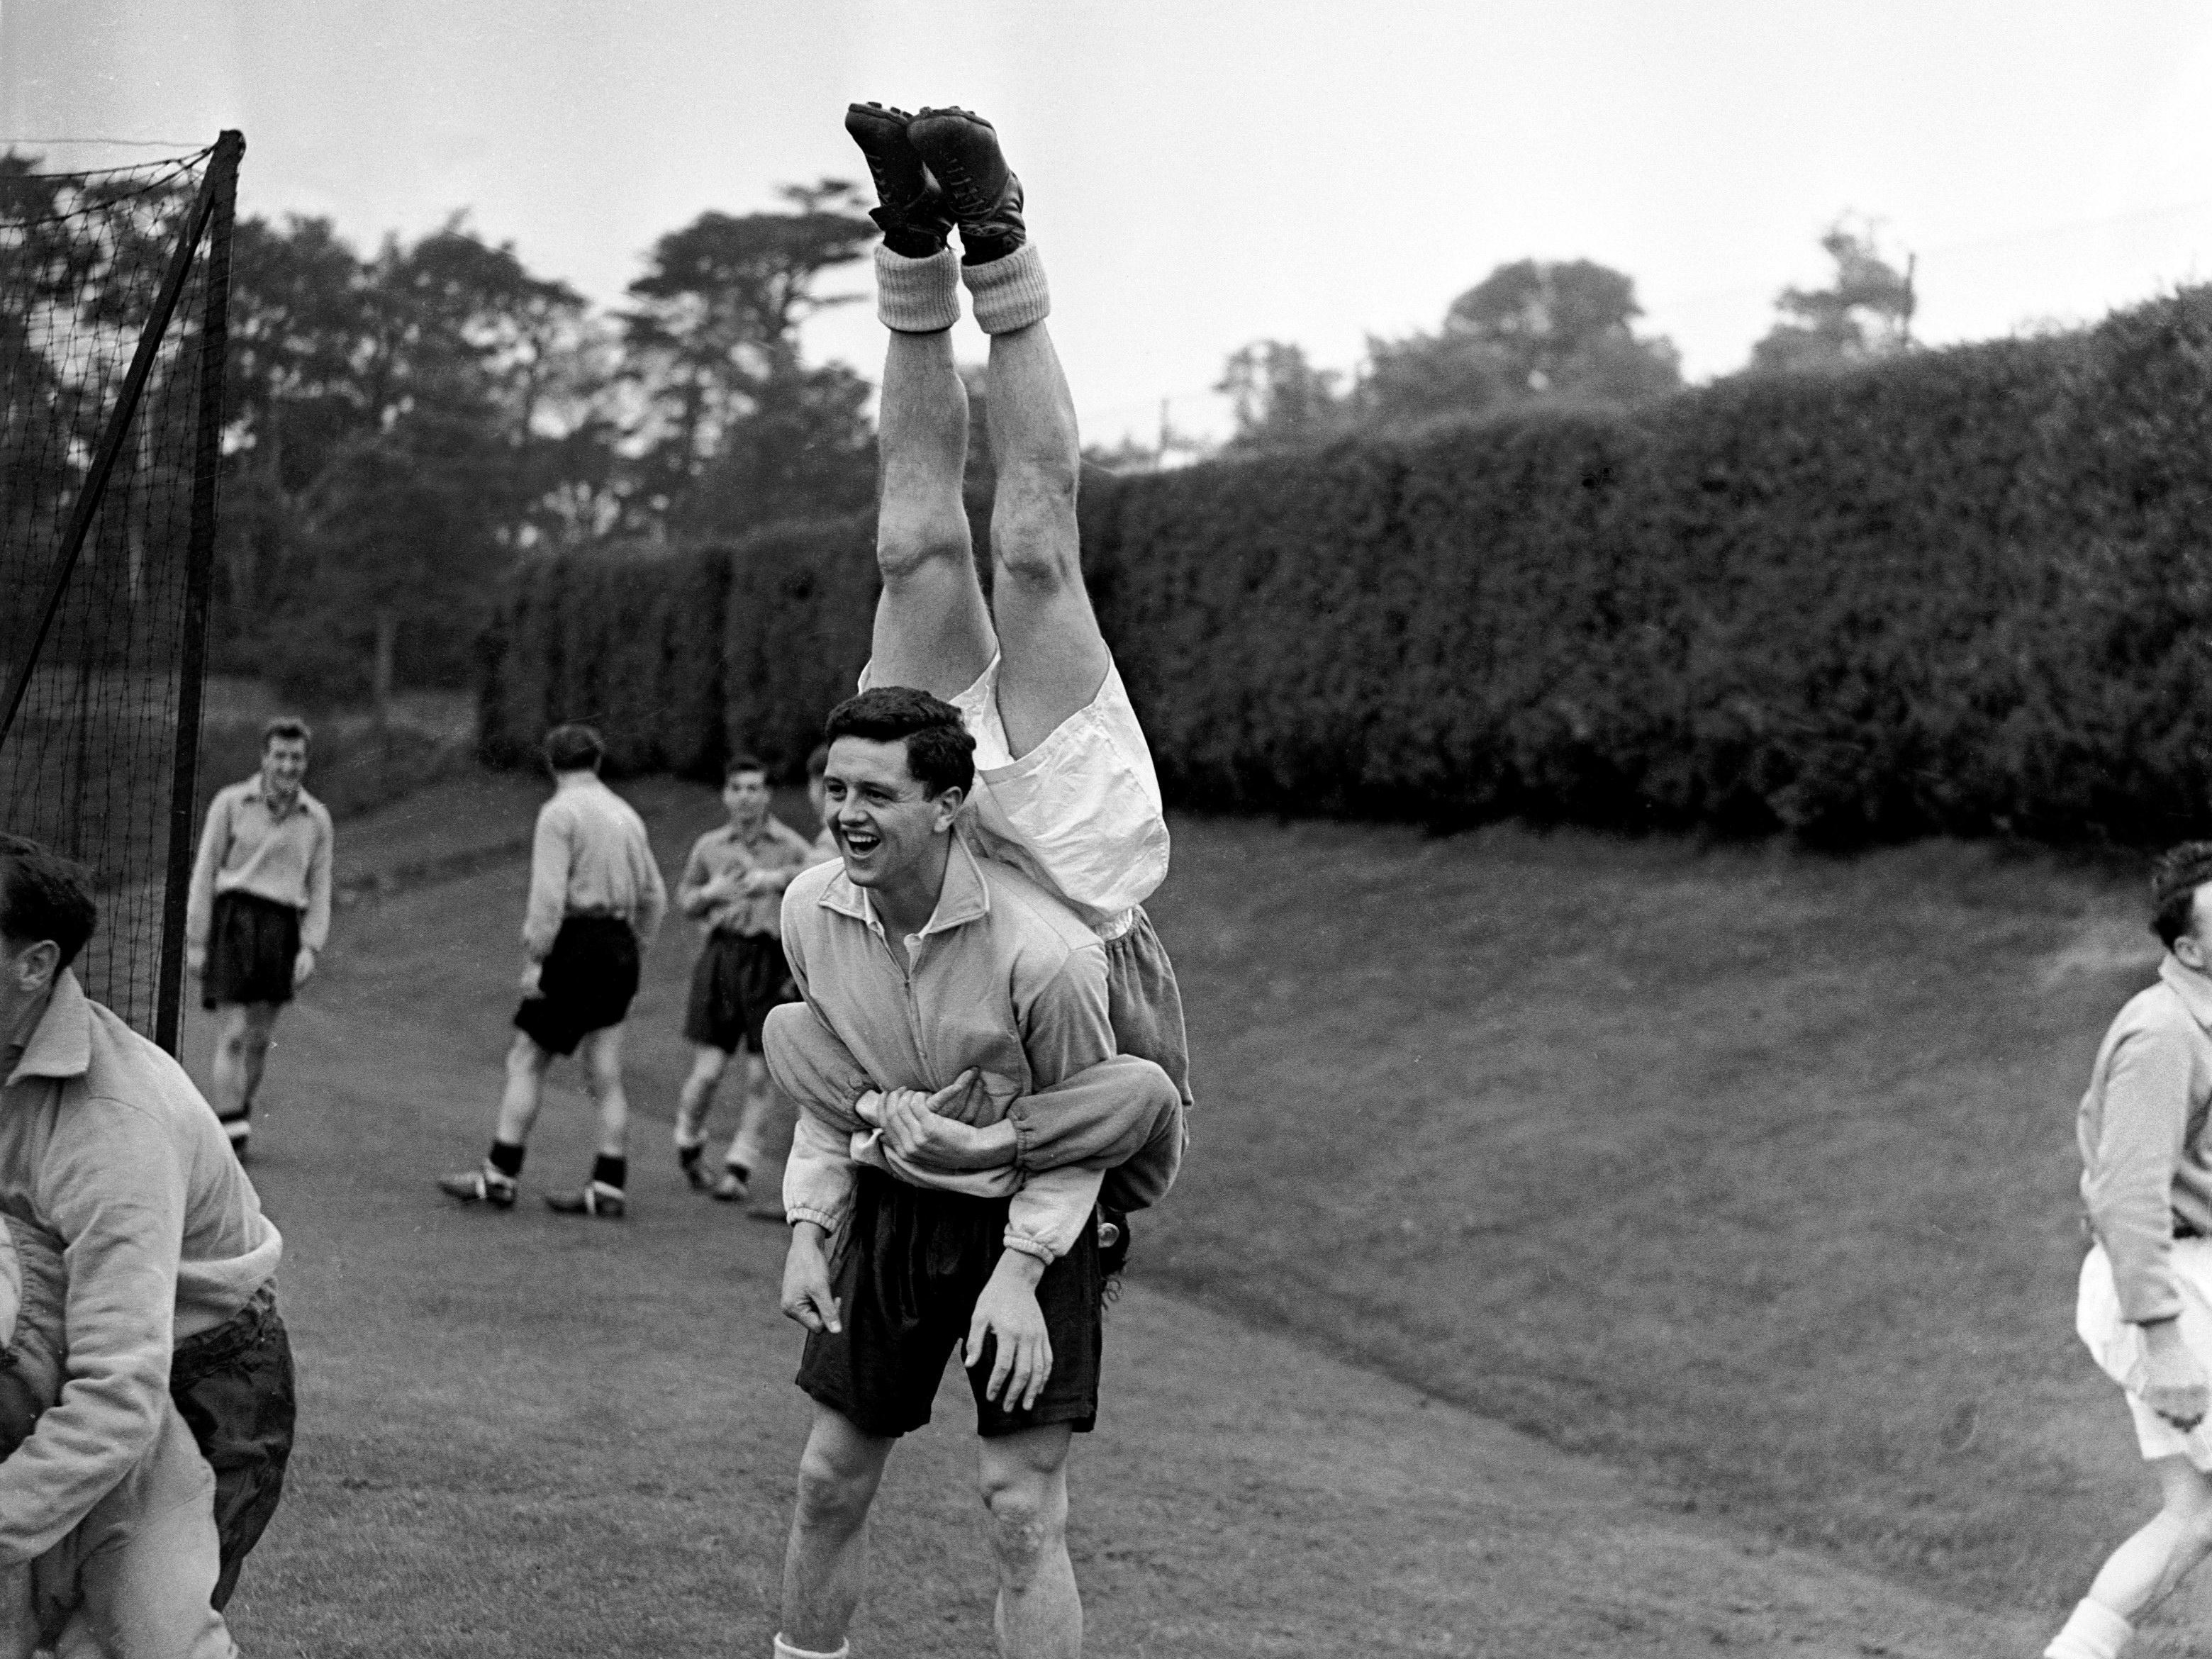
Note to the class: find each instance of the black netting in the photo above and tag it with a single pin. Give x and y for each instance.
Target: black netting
(89, 763)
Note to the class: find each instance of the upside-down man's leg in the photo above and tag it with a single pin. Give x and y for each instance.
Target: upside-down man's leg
(932, 629)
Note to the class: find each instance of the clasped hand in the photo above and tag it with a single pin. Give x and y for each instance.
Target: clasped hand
(939, 1131)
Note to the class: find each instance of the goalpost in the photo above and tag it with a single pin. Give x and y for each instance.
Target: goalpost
(114, 290)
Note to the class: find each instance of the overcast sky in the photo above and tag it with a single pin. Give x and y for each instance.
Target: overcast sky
(1204, 174)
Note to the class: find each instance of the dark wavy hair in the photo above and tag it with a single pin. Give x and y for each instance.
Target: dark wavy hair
(574, 748)
(938, 750)
(2175, 880)
(45, 896)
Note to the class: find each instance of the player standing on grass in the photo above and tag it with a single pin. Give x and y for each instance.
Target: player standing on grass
(260, 912)
(2145, 1308)
(596, 901)
(733, 887)
(1060, 786)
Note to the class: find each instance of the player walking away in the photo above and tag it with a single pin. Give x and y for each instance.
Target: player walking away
(260, 912)
(935, 970)
(171, 1298)
(732, 886)
(596, 901)
(2145, 1306)
(1065, 790)
(136, 1579)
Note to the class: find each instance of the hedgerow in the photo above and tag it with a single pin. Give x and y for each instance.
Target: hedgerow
(1961, 591)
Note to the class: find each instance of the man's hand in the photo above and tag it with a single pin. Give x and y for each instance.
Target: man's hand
(758, 882)
(925, 1129)
(1008, 1311)
(195, 960)
(532, 973)
(807, 1296)
(303, 967)
(2177, 1389)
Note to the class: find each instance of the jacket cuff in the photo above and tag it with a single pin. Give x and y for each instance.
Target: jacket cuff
(825, 1219)
(1028, 1246)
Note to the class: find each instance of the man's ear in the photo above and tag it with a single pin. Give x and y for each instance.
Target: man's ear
(948, 805)
(2189, 951)
(35, 967)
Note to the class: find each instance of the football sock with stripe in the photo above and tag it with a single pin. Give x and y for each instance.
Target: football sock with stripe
(506, 1157)
(610, 1171)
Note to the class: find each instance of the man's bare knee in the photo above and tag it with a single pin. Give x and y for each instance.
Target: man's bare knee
(836, 1487)
(911, 544)
(524, 1058)
(1029, 1524)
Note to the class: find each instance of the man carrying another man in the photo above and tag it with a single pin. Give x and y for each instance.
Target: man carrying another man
(171, 1305)
(991, 1025)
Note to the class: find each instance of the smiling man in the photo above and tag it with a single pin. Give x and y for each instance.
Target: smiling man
(942, 977)
(258, 912)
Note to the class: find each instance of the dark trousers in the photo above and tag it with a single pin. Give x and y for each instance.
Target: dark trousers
(234, 1387)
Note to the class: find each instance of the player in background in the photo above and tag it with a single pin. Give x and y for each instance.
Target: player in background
(259, 915)
(2145, 1302)
(733, 887)
(596, 901)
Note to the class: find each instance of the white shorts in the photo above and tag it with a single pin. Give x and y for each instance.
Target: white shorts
(2118, 1345)
(1080, 814)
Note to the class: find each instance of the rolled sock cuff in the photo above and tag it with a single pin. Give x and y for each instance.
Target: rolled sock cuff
(917, 296)
(785, 1650)
(2093, 1632)
(1010, 293)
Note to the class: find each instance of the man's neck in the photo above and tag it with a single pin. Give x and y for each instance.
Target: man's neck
(905, 907)
(278, 800)
(744, 830)
(574, 779)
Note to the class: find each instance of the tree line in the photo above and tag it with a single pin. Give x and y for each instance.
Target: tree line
(405, 426)
(1558, 333)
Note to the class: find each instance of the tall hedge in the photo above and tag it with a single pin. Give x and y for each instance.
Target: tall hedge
(1964, 591)
(627, 638)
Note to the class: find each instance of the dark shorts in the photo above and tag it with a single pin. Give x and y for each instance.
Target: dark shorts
(252, 945)
(587, 984)
(909, 1267)
(738, 978)
(234, 1387)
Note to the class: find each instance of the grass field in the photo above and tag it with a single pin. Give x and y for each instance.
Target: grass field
(1746, 1172)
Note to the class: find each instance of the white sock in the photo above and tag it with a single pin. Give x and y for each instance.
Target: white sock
(1010, 293)
(2094, 1631)
(785, 1650)
(917, 296)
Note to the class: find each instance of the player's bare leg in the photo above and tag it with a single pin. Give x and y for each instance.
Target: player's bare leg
(825, 1564)
(694, 1101)
(1024, 1485)
(244, 1031)
(526, 1066)
(2145, 1568)
(1053, 657)
(763, 1102)
(602, 1074)
(932, 629)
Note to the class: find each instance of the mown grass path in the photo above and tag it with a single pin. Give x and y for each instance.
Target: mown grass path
(524, 1436)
